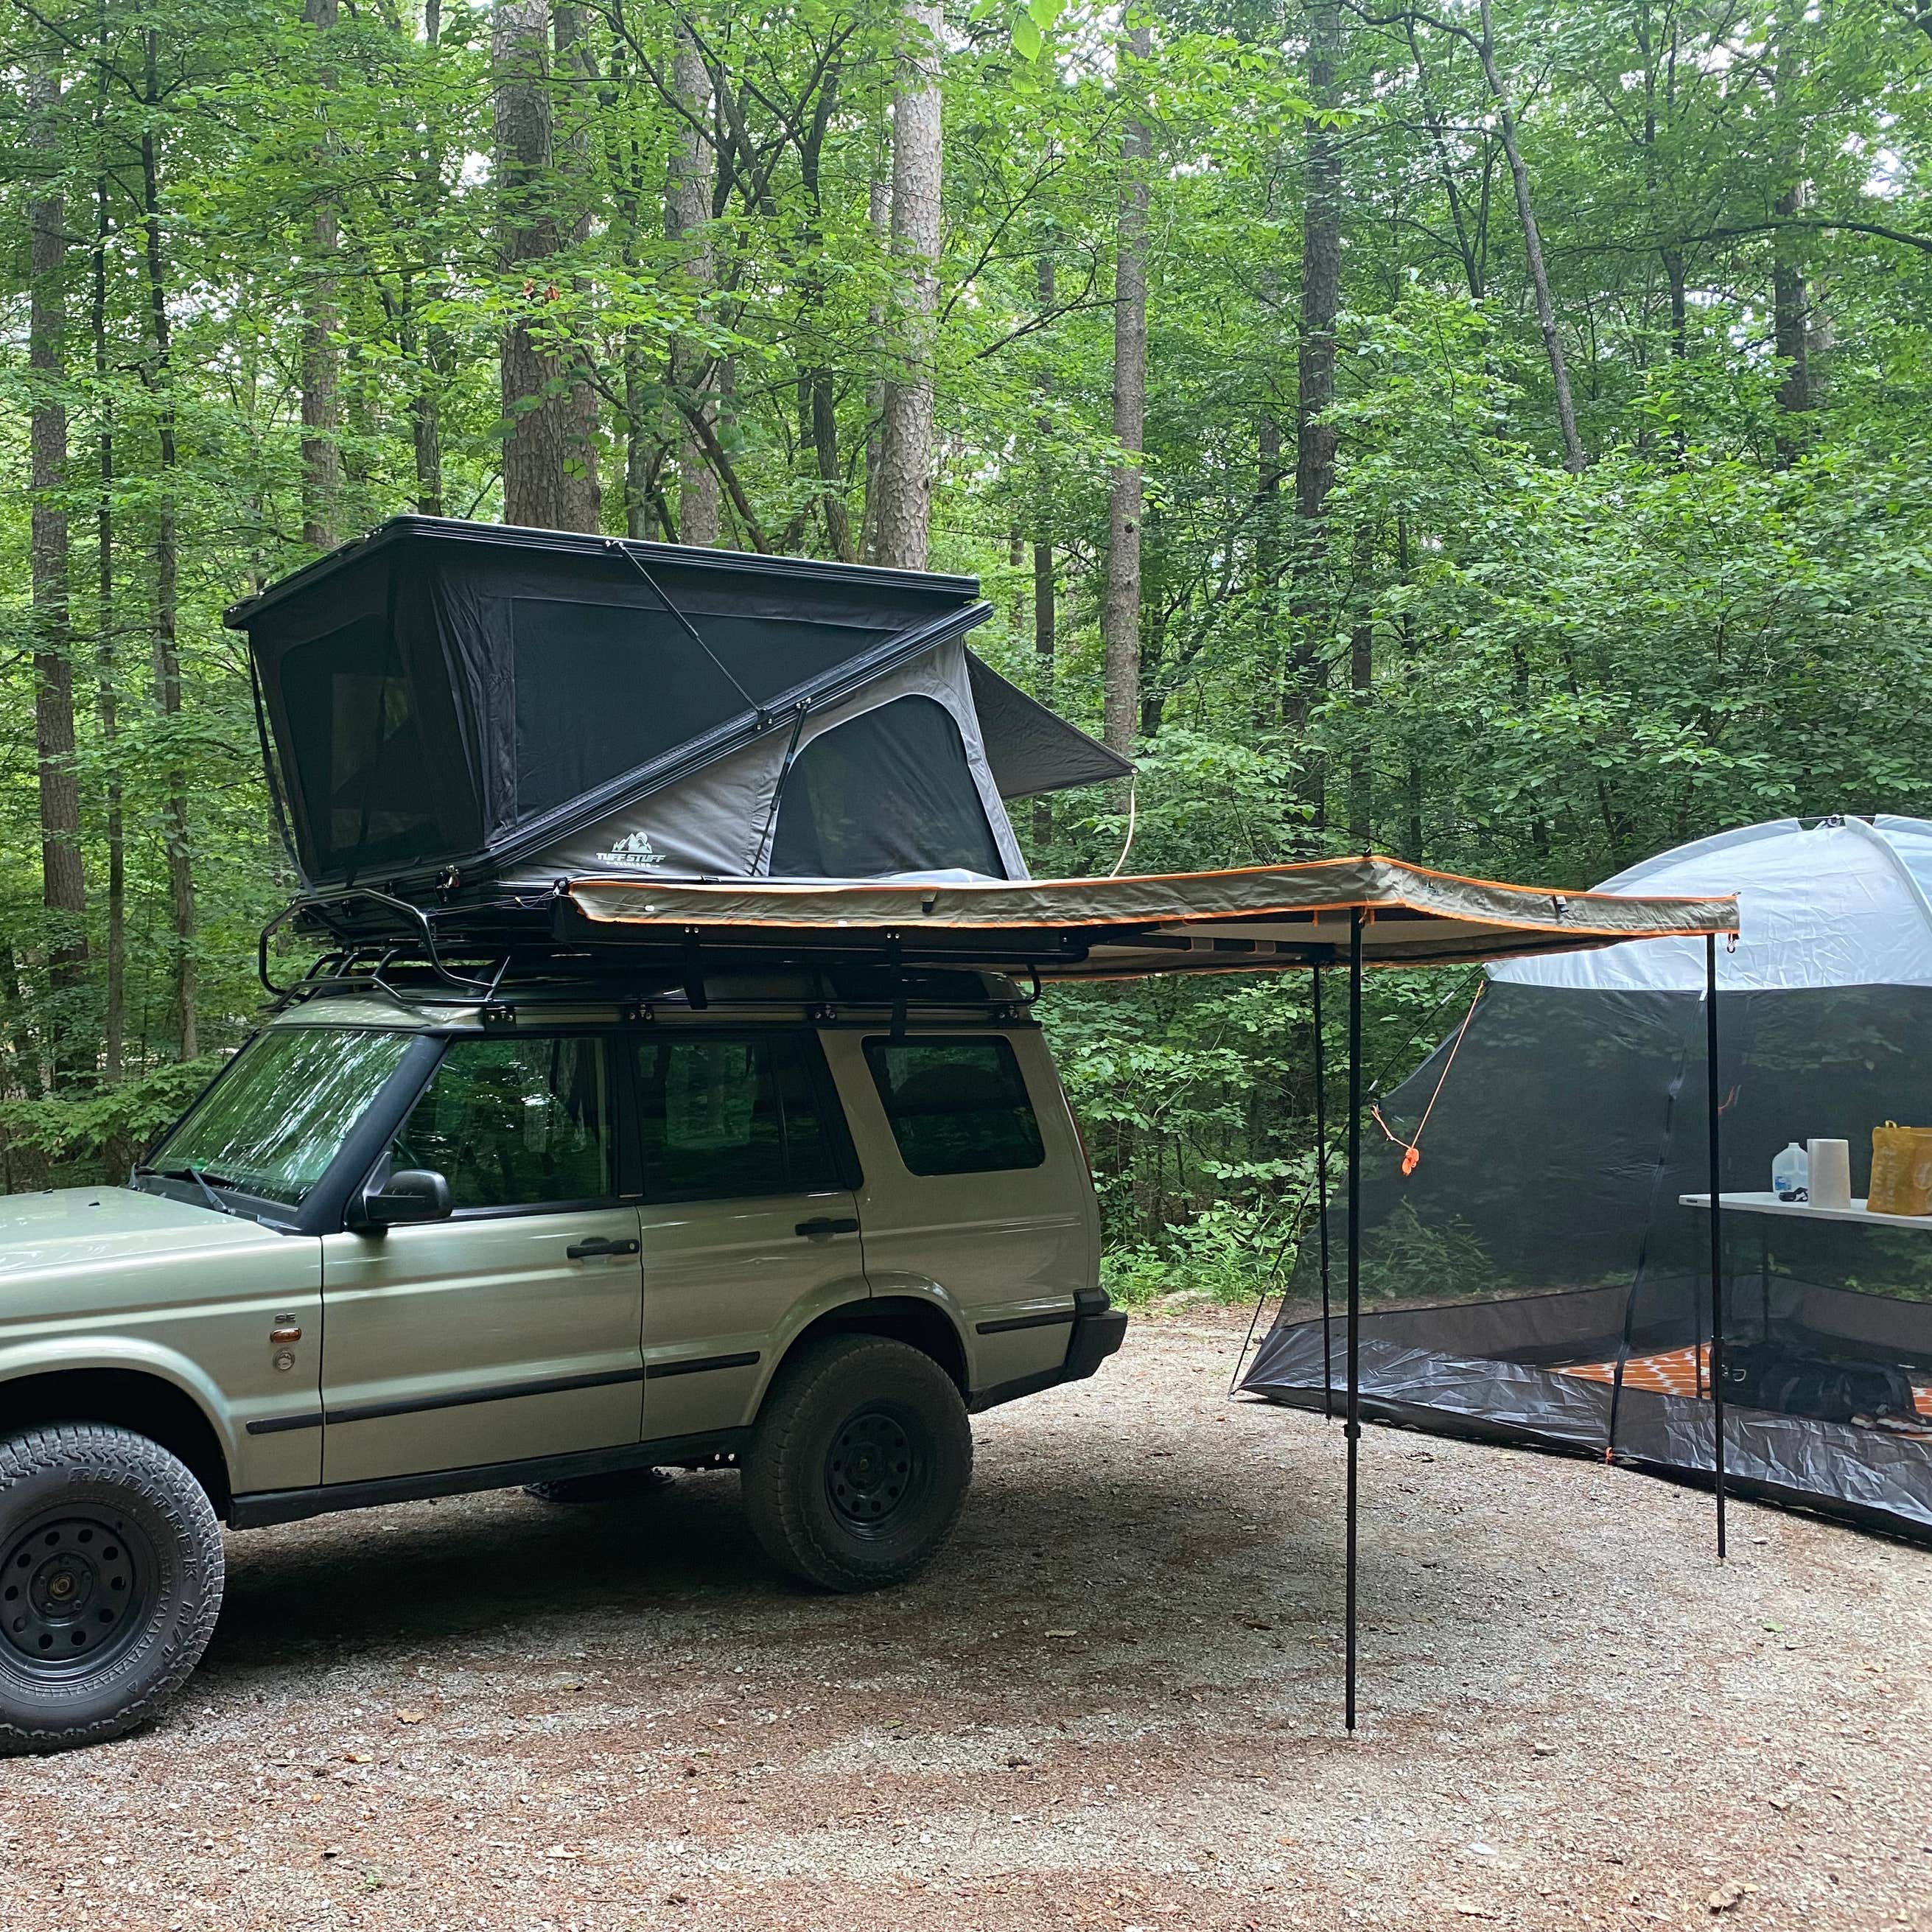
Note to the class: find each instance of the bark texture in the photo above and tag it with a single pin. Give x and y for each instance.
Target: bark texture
(906, 453)
(106, 652)
(1120, 615)
(1574, 458)
(1315, 438)
(693, 374)
(321, 361)
(549, 462)
(175, 829)
(63, 885)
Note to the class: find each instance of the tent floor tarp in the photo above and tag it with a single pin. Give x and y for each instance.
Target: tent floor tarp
(1554, 1384)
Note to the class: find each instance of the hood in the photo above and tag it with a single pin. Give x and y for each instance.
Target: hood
(82, 1226)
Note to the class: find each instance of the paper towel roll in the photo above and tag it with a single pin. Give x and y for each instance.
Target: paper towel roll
(1830, 1179)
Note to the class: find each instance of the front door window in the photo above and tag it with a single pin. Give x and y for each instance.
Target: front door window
(515, 1123)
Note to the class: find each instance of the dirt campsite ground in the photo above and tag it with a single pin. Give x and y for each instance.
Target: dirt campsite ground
(1113, 1704)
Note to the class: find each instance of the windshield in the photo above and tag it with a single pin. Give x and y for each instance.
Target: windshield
(272, 1123)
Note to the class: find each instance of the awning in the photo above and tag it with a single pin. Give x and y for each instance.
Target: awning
(1256, 919)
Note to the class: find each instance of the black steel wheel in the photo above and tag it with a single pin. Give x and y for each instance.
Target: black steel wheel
(874, 1468)
(110, 1582)
(76, 1584)
(858, 1463)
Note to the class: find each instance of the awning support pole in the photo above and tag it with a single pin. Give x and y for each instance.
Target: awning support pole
(1321, 1201)
(1715, 1103)
(1352, 1426)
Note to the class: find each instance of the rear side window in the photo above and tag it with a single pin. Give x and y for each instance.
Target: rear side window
(722, 1117)
(956, 1106)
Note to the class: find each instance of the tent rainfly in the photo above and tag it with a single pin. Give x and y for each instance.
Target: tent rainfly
(1539, 1261)
(476, 705)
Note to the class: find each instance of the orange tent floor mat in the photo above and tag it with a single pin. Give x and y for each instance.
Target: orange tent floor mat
(1684, 1372)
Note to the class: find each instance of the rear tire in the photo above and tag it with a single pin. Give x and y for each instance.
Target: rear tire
(111, 1577)
(859, 1464)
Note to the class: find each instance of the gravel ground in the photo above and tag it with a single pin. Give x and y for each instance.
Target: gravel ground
(1114, 1703)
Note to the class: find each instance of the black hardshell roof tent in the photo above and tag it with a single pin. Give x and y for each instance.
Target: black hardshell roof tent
(509, 705)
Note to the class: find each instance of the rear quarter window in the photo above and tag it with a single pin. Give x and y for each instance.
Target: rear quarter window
(956, 1106)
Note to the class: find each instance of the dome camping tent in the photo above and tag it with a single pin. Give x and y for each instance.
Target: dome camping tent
(1532, 1274)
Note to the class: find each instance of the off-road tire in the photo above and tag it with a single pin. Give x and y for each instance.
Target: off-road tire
(91, 1519)
(619, 1486)
(858, 1463)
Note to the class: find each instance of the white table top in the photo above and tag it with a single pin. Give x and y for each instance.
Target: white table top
(1803, 1210)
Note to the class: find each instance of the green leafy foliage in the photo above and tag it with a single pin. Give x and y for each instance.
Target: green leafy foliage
(1473, 658)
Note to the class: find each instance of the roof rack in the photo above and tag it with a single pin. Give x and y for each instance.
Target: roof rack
(420, 958)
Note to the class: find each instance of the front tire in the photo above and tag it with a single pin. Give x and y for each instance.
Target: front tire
(859, 1464)
(111, 1578)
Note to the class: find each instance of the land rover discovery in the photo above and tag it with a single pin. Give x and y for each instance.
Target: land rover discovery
(403, 1248)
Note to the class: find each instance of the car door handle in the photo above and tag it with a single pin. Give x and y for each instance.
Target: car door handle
(830, 1224)
(582, 1251)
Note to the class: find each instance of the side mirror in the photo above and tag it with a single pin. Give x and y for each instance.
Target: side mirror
(410, 1195)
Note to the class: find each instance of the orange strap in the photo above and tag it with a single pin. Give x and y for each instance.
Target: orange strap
(1411, 1149)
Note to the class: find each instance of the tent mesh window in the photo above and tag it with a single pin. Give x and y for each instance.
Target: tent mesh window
(890, 791)
(358, 752)
(1535, 1277)
(657, 687)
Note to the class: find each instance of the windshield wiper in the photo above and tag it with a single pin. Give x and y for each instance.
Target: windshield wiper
(200, 1178)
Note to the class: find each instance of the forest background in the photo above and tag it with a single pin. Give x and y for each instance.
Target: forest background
(1496, 432)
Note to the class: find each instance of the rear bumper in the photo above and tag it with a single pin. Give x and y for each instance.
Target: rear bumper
(1099, 1329)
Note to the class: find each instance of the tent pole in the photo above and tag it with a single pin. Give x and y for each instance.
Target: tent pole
(1714, 1102)
(1352, 1427)
(1322, 1202)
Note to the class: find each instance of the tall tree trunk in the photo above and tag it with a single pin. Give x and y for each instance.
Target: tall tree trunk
(167, 656)
(321, 363)
(433, 346)
(1120, 615)
(1574, 458)
(1315, 438)
(879, 209)
(574, 114)
(1790, 307)
(549, 477)
(1268, 473)
(63, 886)
(1790, 298)
(1415, 777)
(114, 1019)
(693, 372)
(819, 395)
(1045, 590)
(1361, 767)
(907, 454)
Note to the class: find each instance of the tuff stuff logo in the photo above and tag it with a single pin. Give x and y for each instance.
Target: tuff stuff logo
(634, 851)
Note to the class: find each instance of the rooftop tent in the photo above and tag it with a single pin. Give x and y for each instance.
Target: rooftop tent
(1534, 1275)
(515, 705)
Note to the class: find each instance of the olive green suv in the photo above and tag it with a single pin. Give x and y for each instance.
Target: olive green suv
(406, 1246)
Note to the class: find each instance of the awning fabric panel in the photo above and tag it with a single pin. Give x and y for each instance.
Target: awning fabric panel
(1259, 918)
